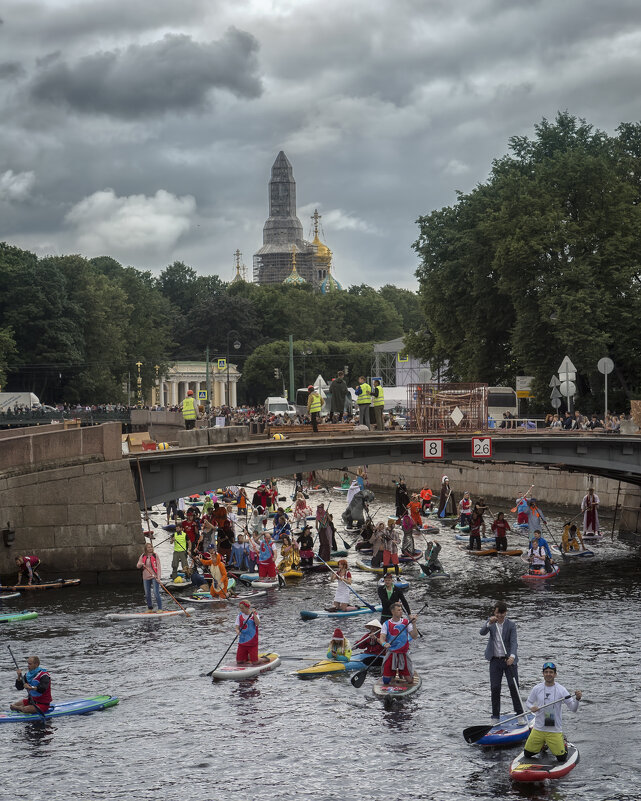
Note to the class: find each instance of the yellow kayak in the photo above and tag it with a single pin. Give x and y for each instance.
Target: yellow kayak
(379, 570)
(292, 573)
(327, 667)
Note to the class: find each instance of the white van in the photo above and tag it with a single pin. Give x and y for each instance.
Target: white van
(274, 405)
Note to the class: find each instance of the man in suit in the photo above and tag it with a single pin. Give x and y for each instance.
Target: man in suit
(501, 653)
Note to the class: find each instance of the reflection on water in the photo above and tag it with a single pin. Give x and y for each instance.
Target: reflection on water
(275, 735)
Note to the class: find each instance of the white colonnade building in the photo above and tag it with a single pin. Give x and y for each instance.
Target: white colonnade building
(183, 376)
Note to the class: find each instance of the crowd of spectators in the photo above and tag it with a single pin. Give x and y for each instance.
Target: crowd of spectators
(581, 422)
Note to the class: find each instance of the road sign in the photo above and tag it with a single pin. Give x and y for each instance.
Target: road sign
(222, 364)
(524, 382)
(202, 394)
(482, 447)
(554, 382)
(568, 388)
(555, 393)
(605, 365)
(456, 416)
(567, 366)
(556, 402)
(432, 449)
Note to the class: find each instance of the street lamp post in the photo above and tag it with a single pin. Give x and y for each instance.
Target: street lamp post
(236, 347)
(139, 382)
(158, 397)
(306, 352)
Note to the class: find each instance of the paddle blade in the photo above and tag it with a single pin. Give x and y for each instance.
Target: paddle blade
(358, 678)
(474, 733)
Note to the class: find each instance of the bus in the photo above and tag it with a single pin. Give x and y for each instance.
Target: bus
(499, 401)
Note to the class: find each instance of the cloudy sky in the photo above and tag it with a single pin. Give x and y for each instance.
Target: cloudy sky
(146, 129)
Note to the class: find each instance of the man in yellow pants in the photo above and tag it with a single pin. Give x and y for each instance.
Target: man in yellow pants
(548, 728)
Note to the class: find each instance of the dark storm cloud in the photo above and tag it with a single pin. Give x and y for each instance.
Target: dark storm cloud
(11, 69)
(175, 73)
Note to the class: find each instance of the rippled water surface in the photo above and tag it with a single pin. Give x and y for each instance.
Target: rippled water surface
(175, 735)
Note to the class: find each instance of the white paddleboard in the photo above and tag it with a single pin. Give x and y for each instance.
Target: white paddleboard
(150, 614)
(236, 672)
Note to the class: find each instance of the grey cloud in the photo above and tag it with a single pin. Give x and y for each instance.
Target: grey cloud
(175, 73)
(11, 69)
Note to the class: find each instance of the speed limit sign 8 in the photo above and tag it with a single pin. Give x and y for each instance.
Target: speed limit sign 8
(432, 449)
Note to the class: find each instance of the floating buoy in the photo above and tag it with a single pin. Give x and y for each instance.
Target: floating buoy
(163, 446)
(278, 436)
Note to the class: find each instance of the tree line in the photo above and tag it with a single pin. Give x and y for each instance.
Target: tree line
(72, 329)
(539, 261)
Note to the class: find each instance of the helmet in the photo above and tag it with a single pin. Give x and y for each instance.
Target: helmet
(310, 387)
(190, 391)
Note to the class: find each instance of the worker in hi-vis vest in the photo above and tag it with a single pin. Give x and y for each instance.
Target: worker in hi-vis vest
(378, 401)
(189, 410)
(314, 405)
(363, 399)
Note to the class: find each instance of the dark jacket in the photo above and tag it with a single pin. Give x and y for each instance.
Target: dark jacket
(509, 638)
(338, 391)
(397, 595)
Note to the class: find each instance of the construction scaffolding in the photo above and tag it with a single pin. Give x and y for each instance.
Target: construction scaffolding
(431, 407)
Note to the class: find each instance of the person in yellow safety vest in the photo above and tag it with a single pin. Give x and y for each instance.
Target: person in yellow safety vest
(363, 399)
(179, 541)
(189, 410)
(314, 405)
(378, 400)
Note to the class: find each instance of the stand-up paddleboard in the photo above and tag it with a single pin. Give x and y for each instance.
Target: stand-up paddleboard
(582, 554)
(340, 554)
(510, 552)
(399, 583)
(404, 557)
(429, 529)
(340, 489)
(18, 616)
(466, 538)
(48, 585)
(235, 672)
(393, 690)
(459, 527)
(542, 575)
(437, 574)
(205, 597)
(148, 614)
(369, 569)
(292, 573)
(316, 567)
(328, 667)
(352, 611)
(543, 766)
(266, 584)
(509, 733)
(482, 552)
(6, 596)
(81, 706)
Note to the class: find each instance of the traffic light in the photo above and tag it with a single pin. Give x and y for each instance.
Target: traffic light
(276, 372)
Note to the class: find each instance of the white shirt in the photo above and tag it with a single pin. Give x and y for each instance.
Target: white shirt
(541, 695)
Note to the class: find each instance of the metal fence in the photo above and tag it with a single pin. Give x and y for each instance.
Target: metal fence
(445, 408)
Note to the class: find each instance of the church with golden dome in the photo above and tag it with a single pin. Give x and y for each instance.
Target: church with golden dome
(285, 257)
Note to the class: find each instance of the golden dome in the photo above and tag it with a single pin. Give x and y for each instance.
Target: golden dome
(323, 253)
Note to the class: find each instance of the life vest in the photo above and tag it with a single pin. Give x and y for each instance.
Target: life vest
(466, 505)
(189, 408)
(153, 559)
(365, 395)
(43, 699)
(266, 551)
(398, 634)
(248, 628)
(379, 400)
(180, 541)
(316, 404)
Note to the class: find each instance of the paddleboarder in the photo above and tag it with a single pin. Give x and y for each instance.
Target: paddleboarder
(369, 642)
(266, 552)
(571, 539)
(339, 648)
(343, 578)
(539, 555)
(28, 569)
(149, 562)
(500, 527)
(179, 540)
(37, 682)
(590, 509)
(548, 728)
(247, 624)
(391, 541)
(395, 637)
(432, 563)
(501, 653)
(388, 595)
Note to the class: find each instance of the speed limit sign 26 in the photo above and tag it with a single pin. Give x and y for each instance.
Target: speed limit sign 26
(482, 447)
(432, 449)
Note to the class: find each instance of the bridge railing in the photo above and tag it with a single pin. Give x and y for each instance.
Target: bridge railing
(38, 418)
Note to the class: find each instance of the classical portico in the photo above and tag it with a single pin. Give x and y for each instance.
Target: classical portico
(183, 376)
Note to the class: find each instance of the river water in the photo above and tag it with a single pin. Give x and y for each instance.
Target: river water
(176, 735)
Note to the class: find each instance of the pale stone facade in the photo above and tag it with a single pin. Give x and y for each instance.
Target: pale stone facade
(183, 376)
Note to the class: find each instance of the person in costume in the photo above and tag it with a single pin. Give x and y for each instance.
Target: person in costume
(344, 579)
(402, 498)
(426, 500)
(571, 539)
(281, 527)
(447, 501)
(306, 543)
(548, 723)
(523, 511)
(339, 648)
(301, 509)
(218, 572)
(266, 564)
(247, 624)
(37, 682)
(432, 563)
(500, 527)
(477, 530)
(465, 509)
(369, 643)
(536, 518)
(388, 595)
(149, 562)
(590, 509)
(241, 501)
(377, 543)
(409, 528)
(324, 533)
(289, 555)
(414, 508)
(395, 637)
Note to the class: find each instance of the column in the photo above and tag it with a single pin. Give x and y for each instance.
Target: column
(174, 393)
(161, 392)
(232, 392)
(185, 390)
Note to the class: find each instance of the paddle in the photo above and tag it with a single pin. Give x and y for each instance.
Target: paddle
(40, 712)
(230, 645)
(522, 497)
(358, 678)
(442, 512)
(351, 589)
(474, 733)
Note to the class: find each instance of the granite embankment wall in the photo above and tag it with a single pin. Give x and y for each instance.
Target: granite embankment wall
(70, 498)
(554, 488)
